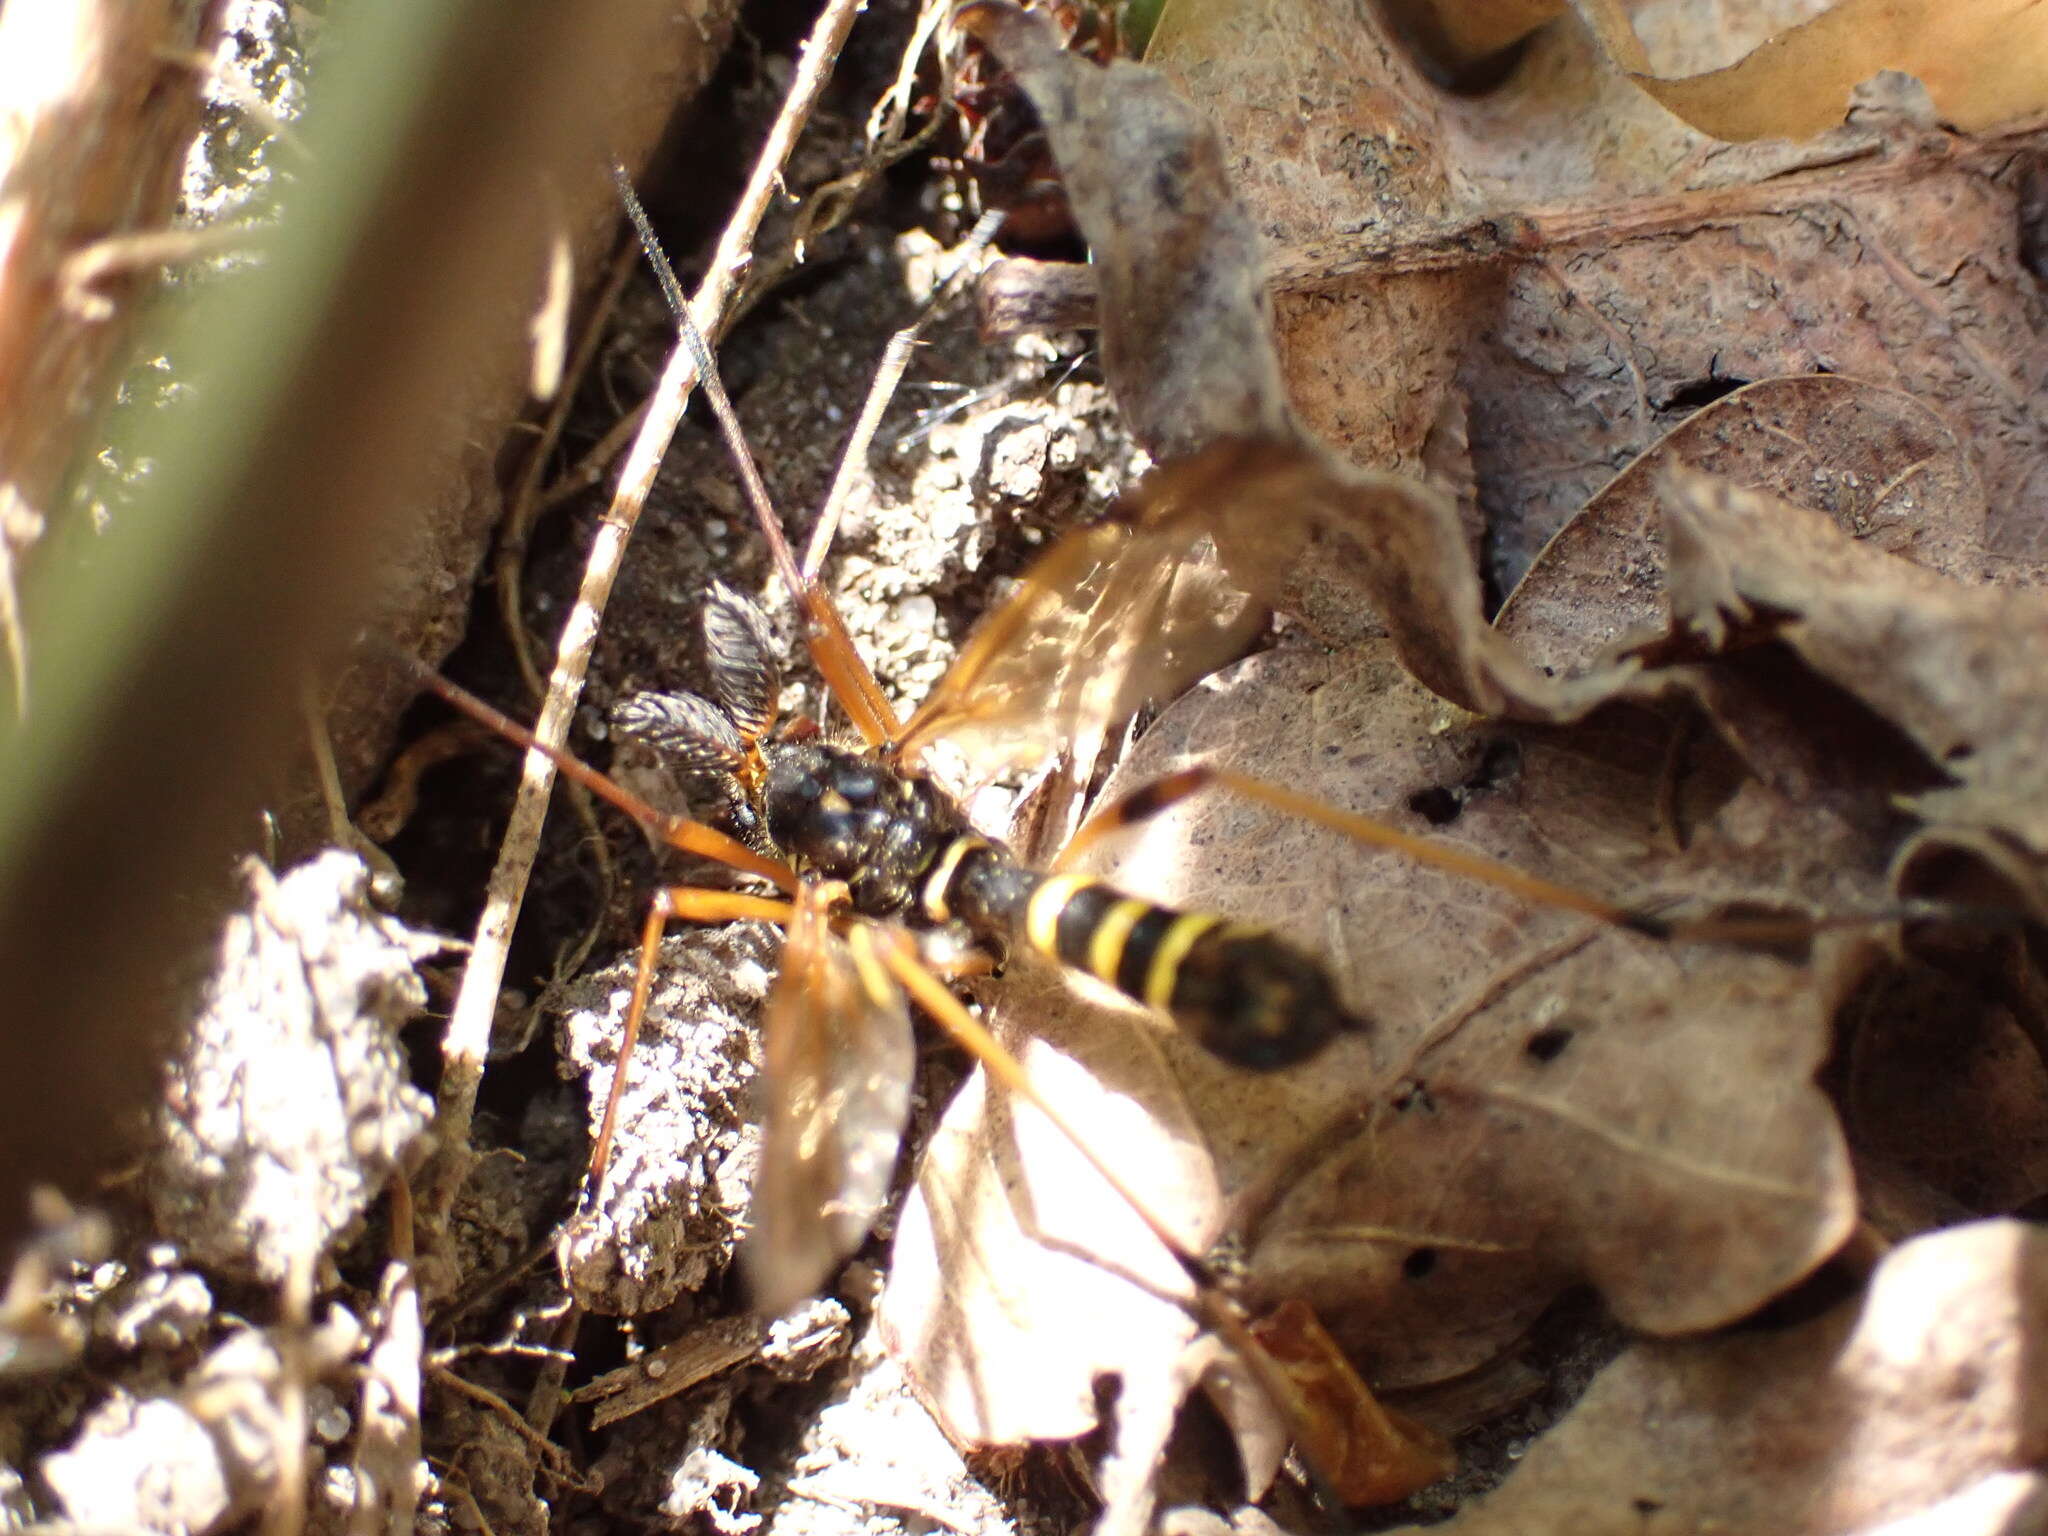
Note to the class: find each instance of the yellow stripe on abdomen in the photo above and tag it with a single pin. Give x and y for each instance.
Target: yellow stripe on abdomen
(1173, 948)
(1042, 915)
(940, 883)
(1106, 944)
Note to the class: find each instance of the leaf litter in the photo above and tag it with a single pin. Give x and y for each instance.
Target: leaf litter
(1499, 306)
(1762, 670)
(1916, 1408)
(1568, 269)
(1785, 72)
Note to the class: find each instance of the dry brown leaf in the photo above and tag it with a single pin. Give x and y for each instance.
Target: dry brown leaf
(1372, 1454)
(1944, 1096)
(1585, 270)
(1188, 349)
(1298, 529)
(1884, 466)
(1370, 361)
(1939, 1073)
(1961, 671)
(1017, 1276)
(1557, 270)
(1299, 168)
(1466, 33)
(1599, 352)
(1539, 1102)
(1186, 341)
(1984, 62)
(1920, 1403)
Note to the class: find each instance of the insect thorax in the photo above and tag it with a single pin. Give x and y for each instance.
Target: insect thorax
(840, 815)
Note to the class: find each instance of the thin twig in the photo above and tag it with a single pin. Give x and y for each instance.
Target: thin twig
(853, 460)
(523, 509)
(509, 565)
(552, 1455)
(546, 1396)
(1020, 296)
(342, 832)
(468, 1038)
(823, 210)
(83, 275)
(285, 1515)
(452, 1481)
(590, 467)
(885, 123)
(825, 634)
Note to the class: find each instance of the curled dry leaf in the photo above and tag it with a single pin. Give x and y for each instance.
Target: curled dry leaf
(1944, 1093)
(1920, 1402)
(1539, 1103)
(1371, 1453)
(1571, 269)
(1984, 62)
(1403, 337)
(1886, 468)
(1188, 348)
(1939, 1071)
(1291, 522)
(1961, 671)
(1189, 351)
(1188, 344)
(1456, 37)
(1131, 612)
(1018, 1277)
(1357, 157)
(1604, 347)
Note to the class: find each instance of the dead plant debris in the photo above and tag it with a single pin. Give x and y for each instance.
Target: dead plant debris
(1743, 432)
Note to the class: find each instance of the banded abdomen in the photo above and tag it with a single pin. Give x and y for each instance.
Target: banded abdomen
(1239, 991)
(905, 850)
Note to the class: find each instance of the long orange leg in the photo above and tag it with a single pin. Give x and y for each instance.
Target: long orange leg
(936, 998)
(675, 903)
(1149, 800)
(832, 649)
(1768, 931)
(684, 903)
(838, 660)
(678, 832)
(1354, 1450)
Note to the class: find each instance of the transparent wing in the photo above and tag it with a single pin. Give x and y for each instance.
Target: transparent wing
(838, 1056)
(1125, 613)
